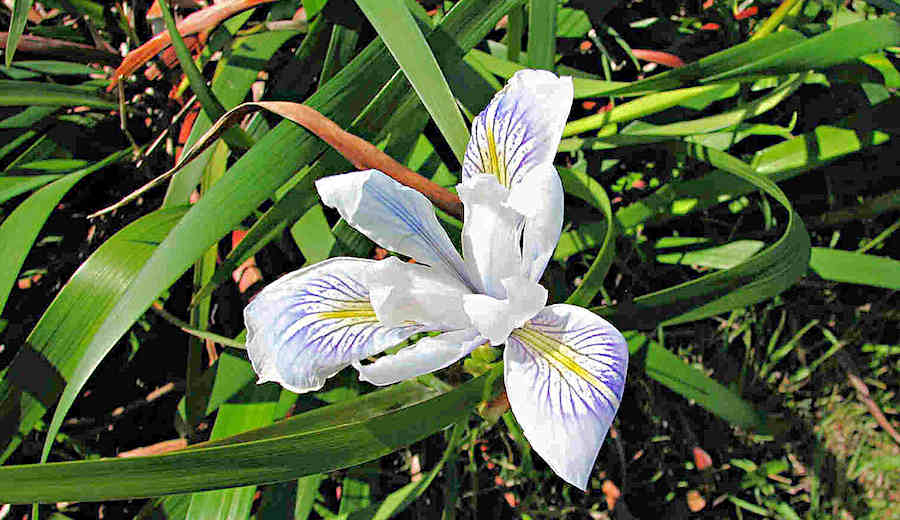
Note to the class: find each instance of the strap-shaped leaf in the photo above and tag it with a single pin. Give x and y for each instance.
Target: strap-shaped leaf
(404, 39)
(325, 439)
(762, 276)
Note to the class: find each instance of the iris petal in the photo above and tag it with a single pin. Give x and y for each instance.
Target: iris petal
(539, 197)
(426, 356)
(309, 324)
(492, 233)
(520, 128)
(393, 216)
(402, 292)
(495, 318)
(564, 374)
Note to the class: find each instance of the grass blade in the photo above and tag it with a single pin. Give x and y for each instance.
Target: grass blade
(20, 10)
(404, 39)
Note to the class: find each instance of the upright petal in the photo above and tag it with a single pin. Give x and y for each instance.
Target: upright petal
(564, 374)
(394, 216)
(426, 356)
(520, 128)
(539, 197)
(492, 233)
(402, 292)
(309, 324)
(495, 319)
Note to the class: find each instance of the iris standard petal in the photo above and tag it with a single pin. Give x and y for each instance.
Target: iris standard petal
(401, 292)
(426, 356)
(539, 197)
(492, 233)
(394, 216)
(495, 318)
(308, 325)
(565, 373)
(520, 128)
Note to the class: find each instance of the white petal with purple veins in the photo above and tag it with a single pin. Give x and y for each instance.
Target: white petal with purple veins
(401, 292)
(520, 128)
(309, 324)
(393, 216)
(564, 374)
(426, 356)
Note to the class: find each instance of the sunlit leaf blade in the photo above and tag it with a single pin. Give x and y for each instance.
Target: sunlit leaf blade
(583, 186)
(674, 373)
(404, 39)
(829, 264)
(37, 375)
(234, 75)
(326, 439)
(825, 50)
(542, 33)
(19, 230)
(253, 409)
(11, 185)
(762, 276)
(20, 10)
(33, 93)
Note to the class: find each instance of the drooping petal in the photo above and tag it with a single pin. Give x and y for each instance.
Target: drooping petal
(520, 128)
(401, 292)
(539, 197)
(565, 373)
(495, 318)
(492, 233)
(426, 356)
(394, 216)
(308, 325)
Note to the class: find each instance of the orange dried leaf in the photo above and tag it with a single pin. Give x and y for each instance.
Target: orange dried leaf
(662, 58)
(611, 492)
(746, 13)
(702, 460)
(202, 20)
(695, 501)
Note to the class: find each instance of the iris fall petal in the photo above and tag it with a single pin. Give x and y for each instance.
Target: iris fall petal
(308, 325)
(564, 373)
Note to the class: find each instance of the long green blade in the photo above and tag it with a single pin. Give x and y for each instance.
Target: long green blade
(407, 44)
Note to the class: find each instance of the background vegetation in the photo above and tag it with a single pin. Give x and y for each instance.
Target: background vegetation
(732, 203)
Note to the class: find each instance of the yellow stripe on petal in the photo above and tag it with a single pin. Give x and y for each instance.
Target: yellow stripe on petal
(561, 356)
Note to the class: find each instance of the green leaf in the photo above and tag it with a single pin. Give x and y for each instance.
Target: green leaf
(328, 438)
(234, 75)
(16, 27)
(762, 276)
(541, 33)
(19, 230)
(716, 64)
(10, 185)
(691, 383)
(579, 183)
(212, 107)
(825, 50)
(407, 44)
(38, 374)
(255, 408)
(33, 93)
(829, 264)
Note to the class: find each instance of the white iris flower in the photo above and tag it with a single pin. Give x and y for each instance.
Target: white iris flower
(564, 366)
